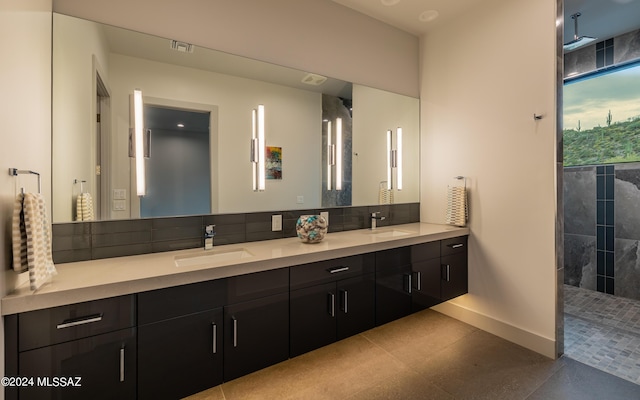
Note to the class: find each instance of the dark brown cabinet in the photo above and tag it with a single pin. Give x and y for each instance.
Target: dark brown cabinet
(180, 340)
(331, 300)
(177, 341)
(80, 351)
(394, 281)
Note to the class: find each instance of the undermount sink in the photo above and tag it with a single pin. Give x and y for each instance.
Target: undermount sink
(388, 233)
(212, 257)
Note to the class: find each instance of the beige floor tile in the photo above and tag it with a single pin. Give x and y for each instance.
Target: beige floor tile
(483, 366)
(406, 386)
(215, 393)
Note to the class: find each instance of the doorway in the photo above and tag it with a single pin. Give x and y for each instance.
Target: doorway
(179, 162)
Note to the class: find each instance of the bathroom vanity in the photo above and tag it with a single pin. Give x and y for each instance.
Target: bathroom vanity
(171, 324)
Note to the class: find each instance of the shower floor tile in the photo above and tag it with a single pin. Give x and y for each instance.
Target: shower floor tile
(603, 331)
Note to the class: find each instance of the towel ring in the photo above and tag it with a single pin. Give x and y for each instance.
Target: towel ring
(16, 172)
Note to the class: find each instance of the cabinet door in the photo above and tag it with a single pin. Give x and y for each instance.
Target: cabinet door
(180, 356)
(393, 293)
(256, 335)
(356, 305)
(313, 317)
(105, 364)
(426, 284)
(454, 275)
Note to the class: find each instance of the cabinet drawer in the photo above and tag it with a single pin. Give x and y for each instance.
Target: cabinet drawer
(61, 324)
(162, 304)
(425, 251)
(257, 285)
(393, 257)
(453, 245)
(330, 270)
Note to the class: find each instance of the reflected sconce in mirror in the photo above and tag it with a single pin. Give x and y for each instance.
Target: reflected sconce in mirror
(139, 141)
(334, 155)
(257, 148)
(394, 159)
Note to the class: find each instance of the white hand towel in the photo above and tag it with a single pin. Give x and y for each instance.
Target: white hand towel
(39, 258)
(19, 236)
(457, 207)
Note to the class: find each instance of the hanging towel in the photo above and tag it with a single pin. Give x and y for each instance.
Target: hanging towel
(38, 234)
(19, 236)
(385, 196)
(84, 207)
(457, 206)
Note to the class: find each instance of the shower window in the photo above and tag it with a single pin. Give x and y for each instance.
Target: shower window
(602, 117)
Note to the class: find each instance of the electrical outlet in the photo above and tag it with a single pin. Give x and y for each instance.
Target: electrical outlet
(300, 200)
(325, 214)
(276, 223)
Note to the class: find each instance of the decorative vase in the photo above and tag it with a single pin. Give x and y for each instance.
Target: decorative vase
(311, 228)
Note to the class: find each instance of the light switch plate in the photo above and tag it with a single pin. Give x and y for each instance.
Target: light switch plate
(300, 200)
(119, 205)
(119, 194)
(276, 223)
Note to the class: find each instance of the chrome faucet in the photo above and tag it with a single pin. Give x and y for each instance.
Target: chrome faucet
(374, 217)
(209, 233)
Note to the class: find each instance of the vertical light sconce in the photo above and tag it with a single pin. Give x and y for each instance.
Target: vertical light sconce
(394, 159)
(257, 148)
(138, 130)
(334, 155)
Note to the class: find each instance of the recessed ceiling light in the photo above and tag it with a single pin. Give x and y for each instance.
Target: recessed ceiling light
(389, 2)
(181, 125)
(428, 16)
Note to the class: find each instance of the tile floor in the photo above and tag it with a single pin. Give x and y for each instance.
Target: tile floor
(603, 331)
(425, 356)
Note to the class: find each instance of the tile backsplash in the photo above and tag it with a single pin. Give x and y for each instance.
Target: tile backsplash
(81, 241)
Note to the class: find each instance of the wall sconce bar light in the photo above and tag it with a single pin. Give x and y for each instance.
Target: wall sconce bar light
(138, 130)
(257, 148)
(394, 159)
(334, 155)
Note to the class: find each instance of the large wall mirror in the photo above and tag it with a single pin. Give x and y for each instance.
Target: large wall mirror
(198, 117)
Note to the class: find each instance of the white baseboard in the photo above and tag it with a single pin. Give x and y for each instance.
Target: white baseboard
(532, 341)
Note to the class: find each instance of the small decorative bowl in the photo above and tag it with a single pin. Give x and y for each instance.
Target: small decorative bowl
(311, 228)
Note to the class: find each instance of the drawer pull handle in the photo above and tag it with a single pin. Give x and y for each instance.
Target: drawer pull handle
(332, 304)
(235, 331)
(215, 337)
(122, 364)
(68, 323)
(456, 246)
(345, 299)
(337, 269)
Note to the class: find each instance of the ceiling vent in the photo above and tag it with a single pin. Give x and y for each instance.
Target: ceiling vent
(182, 47)
(314, 80)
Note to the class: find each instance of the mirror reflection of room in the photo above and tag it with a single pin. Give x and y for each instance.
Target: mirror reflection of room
(104, 63)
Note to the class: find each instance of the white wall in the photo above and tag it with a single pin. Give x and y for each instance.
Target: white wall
(482, 79)
(374, 113)
(290, 115)
(25, 115)
(317, 36)
(74, 108)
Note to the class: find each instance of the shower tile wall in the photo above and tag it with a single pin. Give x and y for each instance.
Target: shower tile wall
(602, 228)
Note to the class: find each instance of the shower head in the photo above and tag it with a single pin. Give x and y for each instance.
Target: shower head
(578, 41)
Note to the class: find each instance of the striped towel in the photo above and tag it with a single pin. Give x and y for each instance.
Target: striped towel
(33, 234)
(457, 206)
(19, 236)
(84, 207)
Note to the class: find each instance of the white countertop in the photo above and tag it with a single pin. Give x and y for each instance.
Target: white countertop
(97, 279)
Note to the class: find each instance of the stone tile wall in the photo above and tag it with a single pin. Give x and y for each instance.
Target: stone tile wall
(602, 228)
